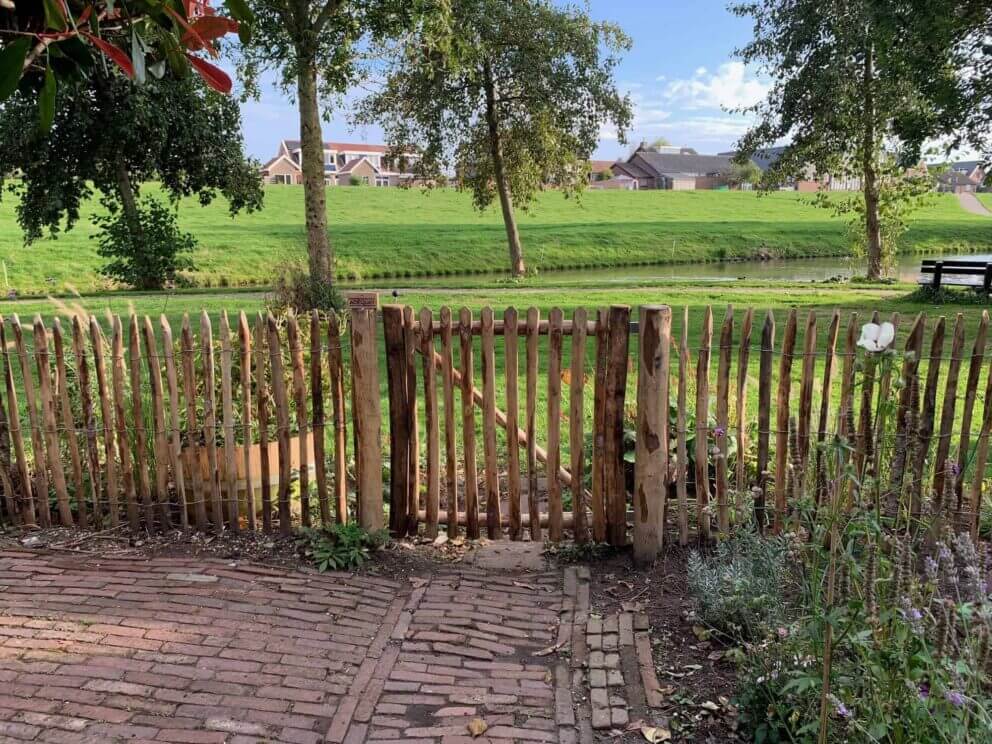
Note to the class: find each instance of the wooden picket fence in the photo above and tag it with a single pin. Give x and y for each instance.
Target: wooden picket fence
(134, 427)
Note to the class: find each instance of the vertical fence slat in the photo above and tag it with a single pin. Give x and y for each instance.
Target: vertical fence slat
(159, 426)
(367, 417)
(722, 434)
(702, 427)
(8, 478)
(210, 419)
(335, 365)
(123, 440)
(244, 342)
(493, 511)
(450, 451)
(511, 369)
(140, 430)
(37, 442)
(765, 362)
(193, 431)
(970, 391)
(576, 419)
(651, 456)
(281, 402)
(925, 428)
(782, 420)
(555, 517)
(399, 421)
(947, 411)
(845, 421)
(68, 423)
(175, 432)
(825, 399)
(908, 399)
(598, 503)
(533, 507)
(681, 435)
(981, 460)
(431, 422)
(302, 418)
(410, 359)
(93, 469)
(743, 359)
(806, 388)
(319, 424)
(227, 407)
(468, 426)
(27, 510)
(616, 391)
(103, 385)
(261, 380)
(50, 422)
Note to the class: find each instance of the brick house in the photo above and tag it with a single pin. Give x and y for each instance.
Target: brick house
(810, 181)
(674, 168)
(965, 176)
(344, 164)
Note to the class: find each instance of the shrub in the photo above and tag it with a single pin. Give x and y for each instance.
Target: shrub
(151, 254)
(340, 546)
(742, 589)
(295, 290)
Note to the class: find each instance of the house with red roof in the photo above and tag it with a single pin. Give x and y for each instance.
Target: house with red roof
(345, 164)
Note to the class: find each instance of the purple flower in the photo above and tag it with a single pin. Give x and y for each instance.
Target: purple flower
(719, 431)
(925, 691)
(955, 469)
(955, 698)
(843, 711)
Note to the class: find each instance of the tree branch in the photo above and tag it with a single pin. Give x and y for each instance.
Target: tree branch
(330, 8)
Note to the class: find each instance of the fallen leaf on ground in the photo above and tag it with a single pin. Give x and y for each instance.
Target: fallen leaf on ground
(710, 706)
(701, 632)
(655, 734)
(548, 651)
(666, 689)
(522, 585)
(441, 539)
(477, 727)
(715, 655)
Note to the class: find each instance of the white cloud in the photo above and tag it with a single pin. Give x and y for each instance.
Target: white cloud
(730, 87)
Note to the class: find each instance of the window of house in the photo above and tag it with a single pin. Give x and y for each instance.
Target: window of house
(381, 180)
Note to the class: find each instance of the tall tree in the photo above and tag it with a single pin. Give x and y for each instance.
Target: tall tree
(513, 98)
(839, 83)
(110, 135)
(312, 47)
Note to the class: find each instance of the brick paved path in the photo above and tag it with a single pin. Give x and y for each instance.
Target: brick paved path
(204, 651)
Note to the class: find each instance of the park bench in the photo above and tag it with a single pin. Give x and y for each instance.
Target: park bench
(960, 272)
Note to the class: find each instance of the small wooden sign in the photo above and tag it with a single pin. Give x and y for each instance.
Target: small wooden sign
(363, 300)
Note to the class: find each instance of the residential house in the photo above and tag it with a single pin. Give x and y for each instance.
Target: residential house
(809, 182)
(620, 182)
(344, 164)
(962, 177)
(600, 168)
(675, 168)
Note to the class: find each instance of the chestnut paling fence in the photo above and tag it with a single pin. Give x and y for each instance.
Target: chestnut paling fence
(512, 424)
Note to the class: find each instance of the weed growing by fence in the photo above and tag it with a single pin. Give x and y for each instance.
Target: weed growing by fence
(339, 546)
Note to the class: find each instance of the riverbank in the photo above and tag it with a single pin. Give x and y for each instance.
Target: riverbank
(392, 235)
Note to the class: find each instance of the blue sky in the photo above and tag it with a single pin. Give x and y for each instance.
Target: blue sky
(681, 75)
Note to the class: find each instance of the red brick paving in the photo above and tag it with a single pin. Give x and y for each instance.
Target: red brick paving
(169, 650)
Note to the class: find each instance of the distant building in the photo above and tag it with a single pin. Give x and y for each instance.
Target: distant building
(600, 168)
(622, 182)
(674, 168)
(344, 164)
(810, 181)
(965, 176)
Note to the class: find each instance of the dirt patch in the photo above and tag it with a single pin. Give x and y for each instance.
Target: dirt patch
(695, 679)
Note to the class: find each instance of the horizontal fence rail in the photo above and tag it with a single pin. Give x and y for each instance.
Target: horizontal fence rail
(504, 425)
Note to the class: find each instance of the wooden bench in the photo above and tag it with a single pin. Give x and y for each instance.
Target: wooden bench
(958, 272)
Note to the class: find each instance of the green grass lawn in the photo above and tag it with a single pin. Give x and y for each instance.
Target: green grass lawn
(985, 199)
(393, 233)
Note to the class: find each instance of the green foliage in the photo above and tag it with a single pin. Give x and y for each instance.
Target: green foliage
(340, 546)
(745, 173)
(147, 249)
(605, 175)
(742, 589)
(294, 289)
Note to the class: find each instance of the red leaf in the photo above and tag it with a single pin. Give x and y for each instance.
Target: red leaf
(117, 55)
(208, 28)
(215, 77)
(197, 41)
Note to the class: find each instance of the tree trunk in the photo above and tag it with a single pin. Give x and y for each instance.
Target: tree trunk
(312, 147)
(869, 175)
(126, 193)
(499, 172)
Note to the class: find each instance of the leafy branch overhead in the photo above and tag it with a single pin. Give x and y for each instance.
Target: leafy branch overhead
(56, 42)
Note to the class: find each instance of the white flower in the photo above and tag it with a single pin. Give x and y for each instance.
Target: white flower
(875, 337)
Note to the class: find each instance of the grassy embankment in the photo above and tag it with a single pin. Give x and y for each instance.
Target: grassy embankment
(393, 233)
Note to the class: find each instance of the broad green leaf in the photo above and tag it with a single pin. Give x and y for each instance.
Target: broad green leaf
(239, 10)
(46, 101)
(12, 64)
(54, 15)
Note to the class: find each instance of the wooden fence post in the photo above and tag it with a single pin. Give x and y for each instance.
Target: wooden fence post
(491, 466)
(576, 416)
(450, 450)
(947, 411)
(825, 401)
(468, 426)
(533, 510)
(123, 440)
(193, 429)
(138, 420)
(806, 389)
(49, 422)
(106, 420)
(93, 469)
(722, 433)
(765, 361)
(317, 406)
(365, 381)
(511, 369)
(681, 435)
(281, 401)
(37, 440)
(335, 366)
(555, 517)
(970, 391)
(210, 420)
(925, 428)
(782, 421)
(159, 435)
(68, 421)
(616, 390)
(263, 421)
(651, 463)
(399, 421)
(302, 417)
(432, 424)
(227, 406)
(703, 517)
(27, 511)
(175, 443)
(413, 425)
(743, 358)
(244, 338)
